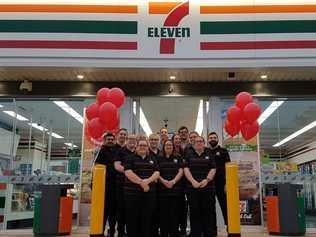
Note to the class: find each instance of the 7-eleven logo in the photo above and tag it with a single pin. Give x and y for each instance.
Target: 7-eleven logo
(170, 31)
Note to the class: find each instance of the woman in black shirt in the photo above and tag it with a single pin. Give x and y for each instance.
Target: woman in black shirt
(170, 190)
(141, 172)
(199, 169)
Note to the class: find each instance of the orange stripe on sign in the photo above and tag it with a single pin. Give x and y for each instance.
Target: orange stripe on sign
(69, 8)
(162, 7)
(258, 9)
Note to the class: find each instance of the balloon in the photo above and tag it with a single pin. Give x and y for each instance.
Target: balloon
(113, 124)
(242, 99)
(251, 112)
(103, 95)
(108, 113)
(234, 115)
(249, 130)
(116, 96)
(95, 128)
(231, 129)
(92, 111)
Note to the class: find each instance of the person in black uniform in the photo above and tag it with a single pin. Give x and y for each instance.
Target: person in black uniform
(170, 190)
(154, 151)
(121, 137)
(106, 157)
(120, 159)
(142, 172)
(221, 158)
(199, 169)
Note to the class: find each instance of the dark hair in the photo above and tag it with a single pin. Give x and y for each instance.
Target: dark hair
(212, 133)
(122, 129)
(194, 132)
(173, 136)
(108, 135)
(183, 127)
(163, 152)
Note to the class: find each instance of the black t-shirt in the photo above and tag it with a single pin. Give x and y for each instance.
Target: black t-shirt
(121, 156)
(106, 156)
(169, 168)
(221, 157)
(143, 168)
(200, 166)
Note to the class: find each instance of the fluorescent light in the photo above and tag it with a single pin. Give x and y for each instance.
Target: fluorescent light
(14, 115)
(70, 144)
(268, 111)
(1, 106)
(55, 135)
(264, 76)
(172, 77)
(199, 119)
(64, 106)
(294, 135)
(80, 77)
(144, 123)
(39, 127)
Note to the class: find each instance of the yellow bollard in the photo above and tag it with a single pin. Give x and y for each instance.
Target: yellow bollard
(232, 191)
(97, 201)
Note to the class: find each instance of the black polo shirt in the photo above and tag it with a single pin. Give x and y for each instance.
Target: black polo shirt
(121, 156)
(106, 156)
(169, 168)
(143, 168)
(200, 166)
(221, 157)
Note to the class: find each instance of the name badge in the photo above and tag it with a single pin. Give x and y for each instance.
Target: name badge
(218, 154)
(151, 162)
(207, 157)
(175, 161)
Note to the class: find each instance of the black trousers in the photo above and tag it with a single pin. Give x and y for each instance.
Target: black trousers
(221, 195)
(202, 210)
(169, 215)
(110, 208)
(183, 213)
(139, 212)
(120, 209)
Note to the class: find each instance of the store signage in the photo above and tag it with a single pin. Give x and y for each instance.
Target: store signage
(155, 29)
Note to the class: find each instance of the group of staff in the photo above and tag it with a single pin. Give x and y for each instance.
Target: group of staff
(152, 182)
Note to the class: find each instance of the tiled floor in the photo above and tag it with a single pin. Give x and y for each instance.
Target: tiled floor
(84, 232)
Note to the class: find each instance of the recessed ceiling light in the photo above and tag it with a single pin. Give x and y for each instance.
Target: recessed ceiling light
(80, 76)
(264, 76)
(172, 77)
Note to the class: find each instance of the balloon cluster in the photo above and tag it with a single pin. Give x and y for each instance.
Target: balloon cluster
(242, 117)
(103, 115)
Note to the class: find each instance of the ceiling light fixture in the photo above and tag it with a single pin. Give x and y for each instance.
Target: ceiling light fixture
(172, 77)
(73, 113)
(199, 119)
(14, 115)
(1, 106)
(294, 135)
(41, 128)
(55, 135)
(264, 76)
(80, 77)
(70, 144)
(270, 110)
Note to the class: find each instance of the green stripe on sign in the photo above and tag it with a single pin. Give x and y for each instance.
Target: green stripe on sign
(45, 26)
(257, 27)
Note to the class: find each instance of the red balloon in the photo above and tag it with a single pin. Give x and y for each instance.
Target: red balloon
(242, 99)
(117, 97)
(103, 95)
(249, 130)
(108, 113)
(113, 125)
(92, 111)
(251, 112)
(234, 115)
(232, 129)
(95, 128)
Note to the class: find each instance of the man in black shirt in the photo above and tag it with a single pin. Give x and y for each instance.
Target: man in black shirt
(221, 156)
(119, 163)
(200, 169)
(154, 142)
(106, 156)
(121, 137)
